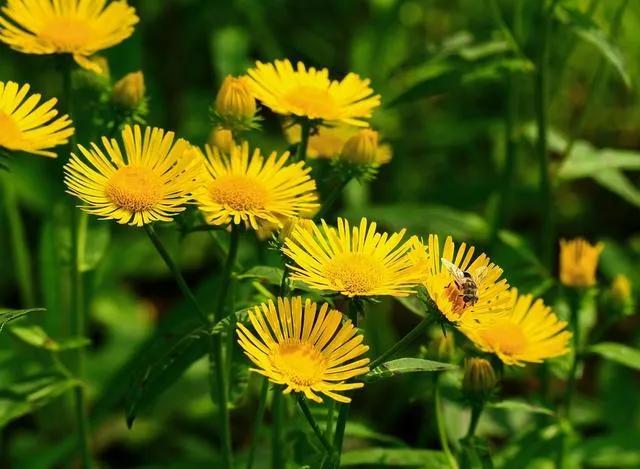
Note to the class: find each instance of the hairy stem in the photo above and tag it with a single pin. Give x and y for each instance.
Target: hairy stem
(257, 424)
(302, 403)
(402, 343)
(442, 431)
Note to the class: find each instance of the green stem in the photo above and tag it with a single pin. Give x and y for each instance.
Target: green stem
(316, 429)
(257, 425)
(331, 407)
(442, 431)
(406, 340)
(540, 104)
(277, 441)
(305, 130)
(476, 412)
(19, 246)
(332, 198)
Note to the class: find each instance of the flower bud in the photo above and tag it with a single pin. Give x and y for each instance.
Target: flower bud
(579, 262)
(235, 102)
(222, 139)
(479, 378)
(442, 347)
(290, 224)
(362, 148)
(130, 90)
(621, 289)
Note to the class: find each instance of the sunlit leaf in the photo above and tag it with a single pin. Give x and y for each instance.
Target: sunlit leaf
(13, 315)
(37, 337)
(403, 366)
(520, 406)
(395, 457)
(618, 353)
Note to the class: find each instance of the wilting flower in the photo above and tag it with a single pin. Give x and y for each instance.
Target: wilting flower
(328, 141)
(306, 349)
(239, 188)
(151, 181)
(235, 105)
(479, 378)
(129, 91)
(464, 288)
(27, 126)
(311, 94)
(356, 261)
(529, 332)
(222, 139)
(578, 262)
(77, 27)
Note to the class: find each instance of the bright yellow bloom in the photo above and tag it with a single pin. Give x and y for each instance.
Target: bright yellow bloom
(328, 141)
(221, 139)
(77, 27)
(25, 126)
(362, 148)
(578, 262)
(356, 261)
(491, 297)
(129, 91)
(306, 349)
(530, 332)
(311, 94)
(151, 181)
(235, 102)
(239, 188)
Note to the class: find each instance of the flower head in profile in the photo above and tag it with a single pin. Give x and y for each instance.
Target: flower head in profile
(129, 91)
(529, 332)
(77, 27)
(579, 262)
(464, 287)
(306, 348)
(311, 94)
(26, 125)
(151, 180)
(353, 261)
(328, 142)
(245, 188)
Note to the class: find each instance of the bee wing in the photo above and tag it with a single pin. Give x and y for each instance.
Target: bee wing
(480, 274)
(451, 267)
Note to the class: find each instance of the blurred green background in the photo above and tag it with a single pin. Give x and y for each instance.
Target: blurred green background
(458, 96)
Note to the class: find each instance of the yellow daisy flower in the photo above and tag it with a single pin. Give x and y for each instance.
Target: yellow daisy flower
(77, 27)
(309, 93)
(327, 142)
(25, 126)
(444, 281)
(307, 349)
(578, 262)
(354, 262)
(150, 182)
(239, 188)
(529, 332)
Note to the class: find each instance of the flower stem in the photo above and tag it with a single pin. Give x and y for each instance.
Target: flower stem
(19, 246)
(402, 343)
(312, 422)
(262, 404)
(442, 431)
(305, 130)
(331, 199)
(277, 461)
(476, 412)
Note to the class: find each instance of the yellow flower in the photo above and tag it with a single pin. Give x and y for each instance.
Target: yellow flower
(235, 103)
(328, 141)
(150, 182)
(578, 262)
(529, 332)
(479, 378)
(221, 139)
(362, 148)
(307, 349)
(309, 93)
(77, 27)
(252, 190)
(129, 91)
(491, 297)
(25, 126)
(353, 262)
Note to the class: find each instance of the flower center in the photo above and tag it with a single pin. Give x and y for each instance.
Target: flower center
(135, 189)
(239, 193)
(506, 337)
(354, 273)
(300, 362)
(10, 134)
(312, 102)
(66, 34)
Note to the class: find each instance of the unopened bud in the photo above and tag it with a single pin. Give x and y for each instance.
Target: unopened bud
(290, 224)
(222, 139)
(442, 347)
(479, 378)
(621, 288)
(362, 148)
(235, 102)
(129, 91)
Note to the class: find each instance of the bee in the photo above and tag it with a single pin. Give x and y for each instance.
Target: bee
(466, 284)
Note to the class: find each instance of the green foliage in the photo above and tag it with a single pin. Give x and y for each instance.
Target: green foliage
(401, 366)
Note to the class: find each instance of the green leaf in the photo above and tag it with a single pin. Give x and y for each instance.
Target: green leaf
(271, 275)
(413, 304)
(229, 322)
(616, 450)
(618, 353)
(13, 315)
(589, 31)
(151, 380)
(618, 183)
(585, 160)
(362, 431)
(36, 337)
(396, 457)
(96, 243)
(510, 405)
(403, 366)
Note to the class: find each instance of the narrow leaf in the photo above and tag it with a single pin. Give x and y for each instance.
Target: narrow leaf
(13, 315)
(396, 457)
(521, 406)
(403, 366)
(618, 353)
